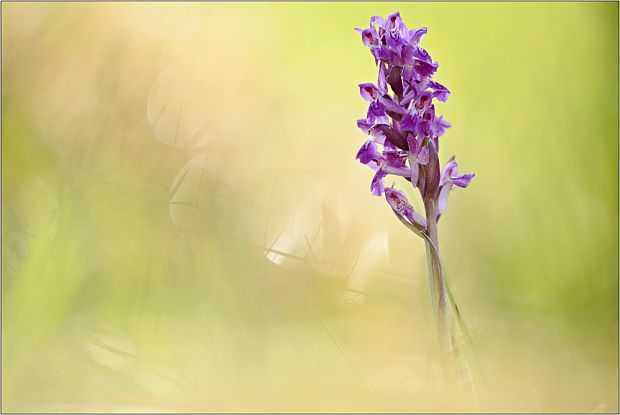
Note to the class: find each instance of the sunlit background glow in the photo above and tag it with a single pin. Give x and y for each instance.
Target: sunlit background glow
(185, 227)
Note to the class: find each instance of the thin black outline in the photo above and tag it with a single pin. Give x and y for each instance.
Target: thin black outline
(249, 2)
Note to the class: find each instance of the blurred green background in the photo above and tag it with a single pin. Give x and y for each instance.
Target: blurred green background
(185, 227)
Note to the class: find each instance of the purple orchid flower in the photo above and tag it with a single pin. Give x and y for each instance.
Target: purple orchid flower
(403, 133)
(404, 119)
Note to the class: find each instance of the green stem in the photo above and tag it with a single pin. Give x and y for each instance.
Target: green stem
(439, 298)
(445, 311)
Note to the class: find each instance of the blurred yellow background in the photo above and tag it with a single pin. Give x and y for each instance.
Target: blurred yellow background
(185, 227)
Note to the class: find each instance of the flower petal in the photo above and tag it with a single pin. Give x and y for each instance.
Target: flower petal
(392, 106)
(439, 91)
(377, 186)
(377, 135)
(424, 101)
(369, 91)
(407, 54)
(463, 180)
(369, 37)
(375, 110)
(439, 125)
(393, 21)
(364, 125)
(422, 55)
(449, 170)
(424, 69)
(416, 35)
(410, 123)
(401, 206)
(377, 20)
(391, 135)
(394, 158)
(368, 152)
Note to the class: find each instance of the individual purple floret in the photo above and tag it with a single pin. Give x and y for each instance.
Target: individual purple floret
(401, 205)
(449, 179)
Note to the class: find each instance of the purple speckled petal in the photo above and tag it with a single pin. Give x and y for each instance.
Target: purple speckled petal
(401, 206)
(375, 110)
(393, 21)
(369, 92)
(438, 126)
(398, 201)
(424, 69)
(368, 152)
(439, 91)
(407, 54)
(450, 169)
(364, 125)
(378, 21)
(463, 180)
(429, 114)
(376, 135)
(369, 37)
(416, 35)
(423, 101)
(394, 158)
(377, 186)
(421, 54)
(410, 123)
(392, 106)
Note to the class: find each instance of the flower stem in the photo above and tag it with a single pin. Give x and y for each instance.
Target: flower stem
(439, 298)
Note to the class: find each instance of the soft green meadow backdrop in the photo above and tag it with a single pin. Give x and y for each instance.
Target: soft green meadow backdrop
(185, 227)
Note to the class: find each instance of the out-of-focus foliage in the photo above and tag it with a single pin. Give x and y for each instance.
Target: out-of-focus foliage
(185, 227)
